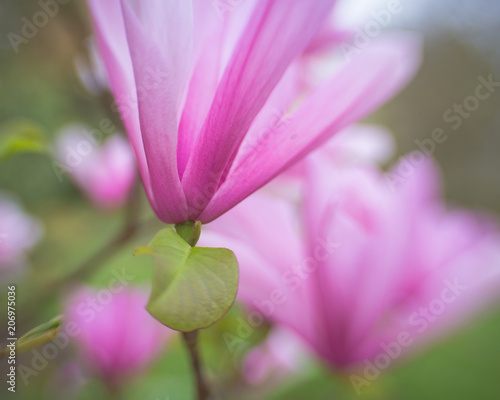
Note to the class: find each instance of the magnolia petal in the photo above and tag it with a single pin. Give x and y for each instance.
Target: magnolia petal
(112, 42)
(158, 50)
(351, 94)
(276, 34)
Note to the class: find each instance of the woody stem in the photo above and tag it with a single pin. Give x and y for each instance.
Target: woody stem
(191, 340)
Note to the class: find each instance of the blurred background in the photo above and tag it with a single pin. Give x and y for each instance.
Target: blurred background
(40, 93)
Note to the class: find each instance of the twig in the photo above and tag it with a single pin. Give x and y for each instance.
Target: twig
(92, 264)
(191, 340)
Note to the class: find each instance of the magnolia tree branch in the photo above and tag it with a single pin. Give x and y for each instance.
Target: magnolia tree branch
(95, 262)
(191, 340)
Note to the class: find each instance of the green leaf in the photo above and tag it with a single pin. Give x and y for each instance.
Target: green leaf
(189, 231)
(38, 336)
(21, 136)
(193, 287)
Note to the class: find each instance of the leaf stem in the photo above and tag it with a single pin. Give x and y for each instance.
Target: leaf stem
(191, 340)
(190, 231)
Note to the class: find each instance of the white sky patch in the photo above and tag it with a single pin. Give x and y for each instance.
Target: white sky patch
(353, 13)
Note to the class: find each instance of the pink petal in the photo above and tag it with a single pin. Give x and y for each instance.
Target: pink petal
(112, 41)
(326, 39)
(272, 114)
(352, 93)
(215, 40)
(202, 88)
(277, 32)
(160, 52)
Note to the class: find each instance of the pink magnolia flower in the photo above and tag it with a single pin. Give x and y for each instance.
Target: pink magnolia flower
(194, 91)
(19, 232)
(366, 272)
(116, 336)
(106, 173)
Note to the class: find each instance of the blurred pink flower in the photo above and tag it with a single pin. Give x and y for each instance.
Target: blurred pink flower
(116, 337)
(280, 356)
(195, 92)
(358, 144)
(105, 173)
(19, 232)
(362, 144)
(366, 267)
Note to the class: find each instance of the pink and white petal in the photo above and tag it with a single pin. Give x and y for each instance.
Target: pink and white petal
(272, 114)
(217, 31)
(113, 46)
(326, 40)
(160, 41)
(351, 94)
(276, 34)
(201, 91)
(167, 29)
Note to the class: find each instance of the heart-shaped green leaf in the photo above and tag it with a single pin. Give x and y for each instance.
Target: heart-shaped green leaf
(193, 287)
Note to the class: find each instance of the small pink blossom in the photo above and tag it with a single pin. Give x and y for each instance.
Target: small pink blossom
(105, 173)
(19, 232)
(116, 336)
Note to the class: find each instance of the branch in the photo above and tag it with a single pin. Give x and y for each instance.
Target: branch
(191, 340)
(92, 264)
